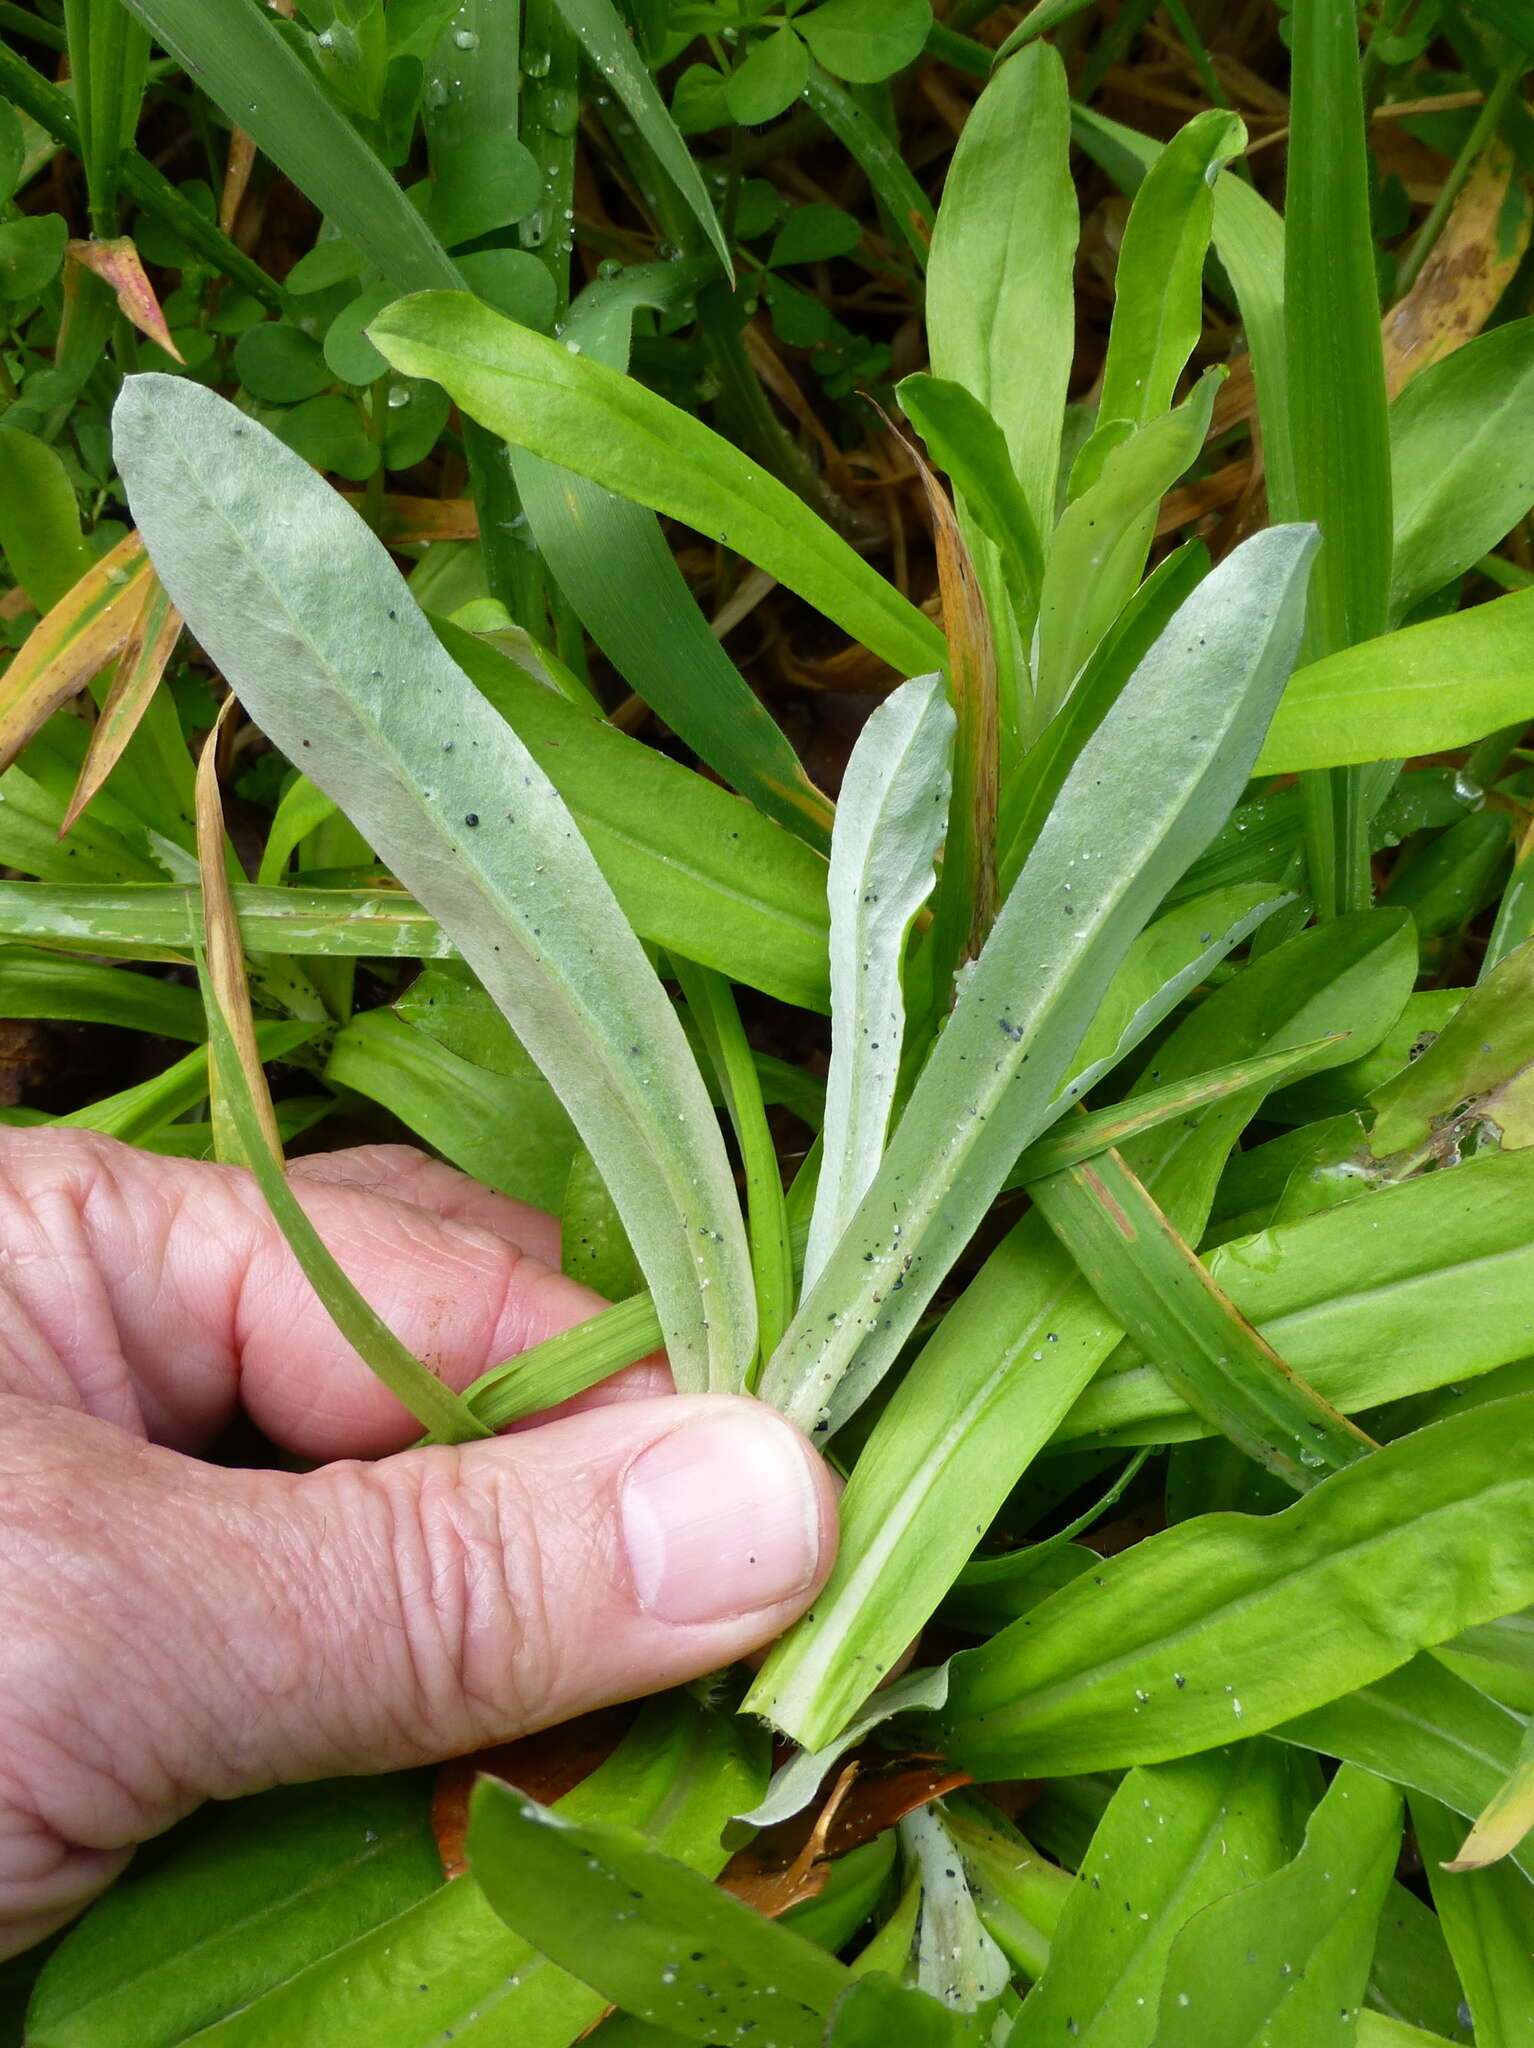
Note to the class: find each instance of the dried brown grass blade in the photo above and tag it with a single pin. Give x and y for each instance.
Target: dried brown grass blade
(71, 643)
(148, 648)
(226, 962)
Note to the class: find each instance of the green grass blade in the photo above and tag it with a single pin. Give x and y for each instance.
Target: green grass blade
(1153, 1283)
(577, 412)
(436, 1406)
(609, 49)
(238, 58)
(1338, 424)
(254, 546)
(772, 1265)
(1366, 1299)
(878, 154)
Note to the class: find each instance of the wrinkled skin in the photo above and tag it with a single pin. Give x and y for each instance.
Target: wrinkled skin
(173, 1630)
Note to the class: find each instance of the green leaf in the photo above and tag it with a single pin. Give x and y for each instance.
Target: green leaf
(814, 234)
(717, 1021)
(1153, 1283)
(253, 548)
(31, 250)
(1095, 559)
(1285, 1963)
(39, 520)
(1424, 1728)
(890, 822)
(1175, 1838)
(328, 432)
(484, 181)
(1367, 1301)
(594, 1246)
(351, 357)
(1185, 1639)
(578, 413)
(769, 80)
(987, 1089)
(1457, 433)
(151, 921)
(695, 869)
(875, 2011)
(1012, 1355)
(1000, 307)
(239, 58)
(253, 1142)
(614, 564)
(1476, 1068)
(964, 440)
(866, 40)
(37, 984)
(1421, 690)
(548, 1373)
(1158, 309)
(1249, 241)
(246, 1896)
(280, 363)
(1338, 424)
(650, 1935)
(507, 1130)
(1488, 1916)
(609, 48)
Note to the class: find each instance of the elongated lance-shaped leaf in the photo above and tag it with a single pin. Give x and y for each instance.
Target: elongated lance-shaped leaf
(999, 303)
(889, 824)
(1010, 1357)
(1188, 1639)
(1153, 1283)
(963, 439)
(303, 611)
(1158, 287)
(1146, 794)
(579, 413)
(691, 1958)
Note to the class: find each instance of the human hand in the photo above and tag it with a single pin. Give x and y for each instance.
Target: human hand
(173, 1631)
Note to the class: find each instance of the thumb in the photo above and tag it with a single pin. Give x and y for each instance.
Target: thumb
(230, 1630)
